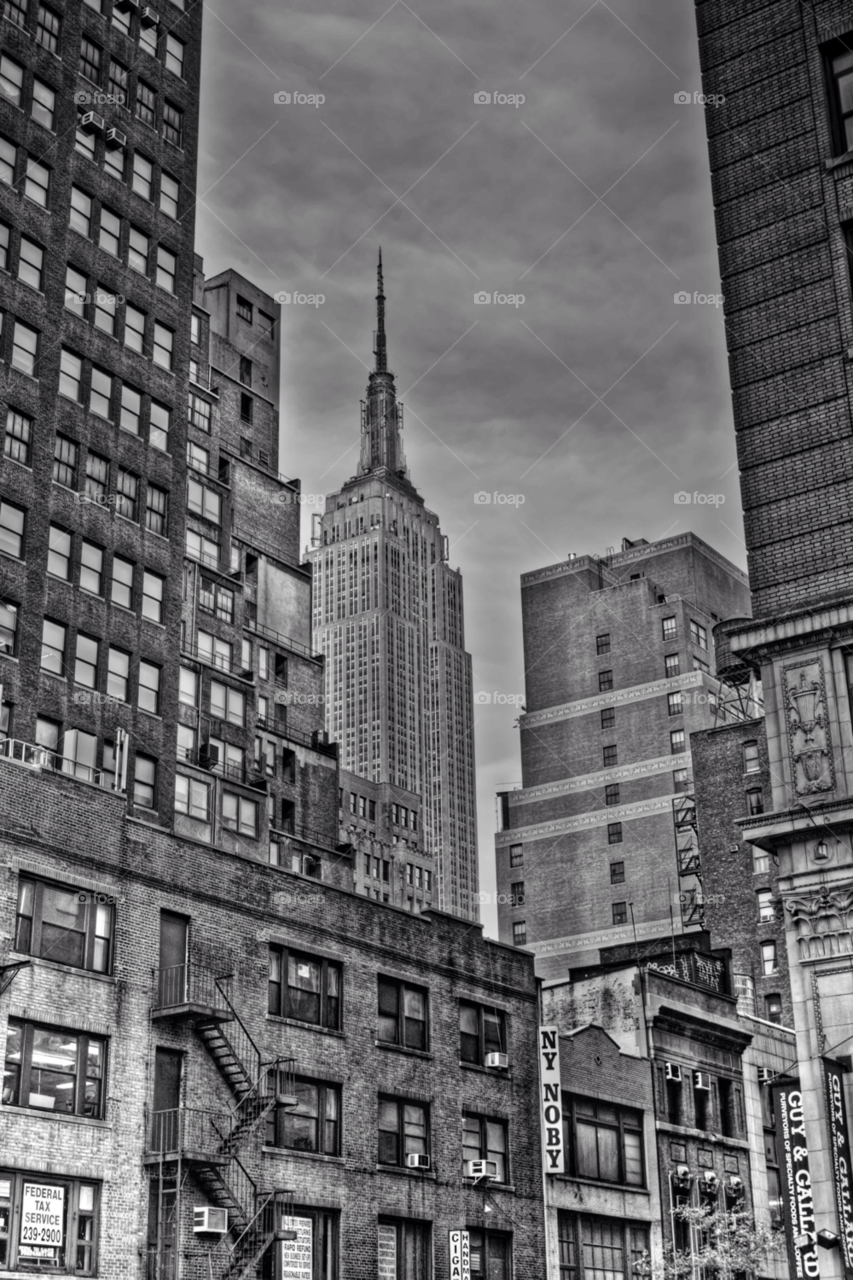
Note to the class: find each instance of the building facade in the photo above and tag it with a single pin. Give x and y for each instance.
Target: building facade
(381, 826)
(619, 673)
(388, 617)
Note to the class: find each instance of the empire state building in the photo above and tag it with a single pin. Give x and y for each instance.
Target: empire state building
(388, 616)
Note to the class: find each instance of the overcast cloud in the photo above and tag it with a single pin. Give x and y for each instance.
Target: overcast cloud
(592, 199)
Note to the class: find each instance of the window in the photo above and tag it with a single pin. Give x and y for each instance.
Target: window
(204, 549)
(117, 83)
(97, 476)
(227, 703)
(485, 1139)
(167, 269)
(754, 801)
(699, 664)
(188, 690)
(244, 308)
(76, 1201)
(516, 855)
(25, 343)
(840, 71)
(314, 1124)
(105, 312)
(620, 912)
(698, 635)
(601, 1248)
(751, 762)
(482, 1030)
(676, 741)
(145, 781)
(18, 438)
(141, 176)
(86, 661)
(131, 406)
(602, 643)
(114, 162)
(173, 123)
(240, 814)
(215, 651)
(11, 79)
(11, 529)
(5, 233)
(127, 495)
(164, 341)
(84, 141)
(674, 703)
(402, 1014)
(246, 371)
(91, 568)
(62, 924)
(769, 959)
(31, 263)
(59, 553)
(101, 394)
(671, 664)
(148, 698)
(402, 1130)
(609, 755)
(192, 796)
(246, 408)
(765, 904)
(773, 1009)
(203, 501)
(266, 324)
(156, 510)
(44, 104)
(199, 413)
(611, 793)
(760, 861)
(168, 195)
(138, 247)
(152, 596)
(134, 328)
(605, 681)
(75, 292)
(148, 40)
(603, 1141)
(48, 29)
(8, 628)
(305, 987)
(53, 1070)
(90, 60)
(7, 161)
(669, 628)
(109, 236)
(614, 833)
(617, 873)
(608, 717)
(80, 216)
(680, 782)
(146, 103)
(122, 584)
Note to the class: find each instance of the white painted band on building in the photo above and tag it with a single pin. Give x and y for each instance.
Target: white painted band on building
(589, 781)
(601, 938)
(613, 698)
(598, 818)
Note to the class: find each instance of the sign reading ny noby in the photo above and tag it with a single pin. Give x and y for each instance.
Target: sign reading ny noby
(551, 1100)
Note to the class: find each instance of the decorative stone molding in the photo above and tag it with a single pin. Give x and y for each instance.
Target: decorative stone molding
(824, 923)
(809, 746)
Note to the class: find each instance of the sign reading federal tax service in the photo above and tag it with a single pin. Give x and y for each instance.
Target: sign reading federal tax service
(42, 1222)
(551, 1100)
(460, 1255)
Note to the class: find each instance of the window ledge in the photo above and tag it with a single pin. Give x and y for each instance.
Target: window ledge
(624, 1187)
(491, 1186)
(306, 1026)
(302, 1155)
(834, 161)
(35, 1114)
(39, 962)
(401, 1048)
(427, 1175)
(493, 1072)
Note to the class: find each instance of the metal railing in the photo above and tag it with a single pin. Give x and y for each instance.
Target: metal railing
(285, 642)
(36, 757)
(181, 1129)
(312, 741)
(239, 1037)
(253, 542)
(189, 983)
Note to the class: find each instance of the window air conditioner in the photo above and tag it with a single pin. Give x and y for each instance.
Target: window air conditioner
(765, 1075)
(417, 1162)
(116, 140)
(500, 1061)
(124, 5)
(673, 1072)
(481, 1169)
(702, 1081)
(150, 18)
(207, 1218)
(91, 122)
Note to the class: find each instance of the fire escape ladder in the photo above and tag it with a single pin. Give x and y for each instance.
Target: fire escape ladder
(691, 895)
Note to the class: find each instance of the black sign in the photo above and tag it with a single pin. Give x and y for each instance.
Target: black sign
(797, 1200)
(839, 1150)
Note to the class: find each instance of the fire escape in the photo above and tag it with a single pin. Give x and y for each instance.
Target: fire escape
(691, 895)
(217, 1150)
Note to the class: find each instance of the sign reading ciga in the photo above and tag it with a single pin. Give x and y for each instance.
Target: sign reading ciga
(551, 1101)
(460, 1255)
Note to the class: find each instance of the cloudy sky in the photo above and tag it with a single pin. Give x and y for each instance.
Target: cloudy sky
(583, 408)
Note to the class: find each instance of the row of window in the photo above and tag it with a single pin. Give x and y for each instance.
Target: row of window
(74, 752)
(151, 108)
(154, 184)
(122, 240)
(86, 666)
(245, 311)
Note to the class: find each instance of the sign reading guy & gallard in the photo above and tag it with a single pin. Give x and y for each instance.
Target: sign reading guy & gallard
(797, 1200)
(839, 1153)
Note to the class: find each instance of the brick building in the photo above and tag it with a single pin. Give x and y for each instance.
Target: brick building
(619, 672)
(382, 825)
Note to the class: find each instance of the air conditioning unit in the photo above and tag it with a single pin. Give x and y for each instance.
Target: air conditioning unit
(481, 1169)
(499, 1061)
(765, 1075)
(91, 122)
(673, 1072)
(116, 140)
(150, 18)
(124, 5)
(702, 1081)
(208, 1219)
(208, 756)
(417, 1162)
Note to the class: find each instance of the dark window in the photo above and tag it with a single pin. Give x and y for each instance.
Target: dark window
(610, 755)
(602, 643)
(482, 1030)
(127, 495)
(674, 703)
(66, 925)
(402, 1130)
(605, 681)
(146, 103)
(611, 793)
(244, 309)
(669, 628)
(754, 801)
(602, 1248)
(671, 664)
(680, 782)
(402, 1014)
(603, 1141)
(839, 63)
(614, 833)
(305, 987)
(54, 1070)
(516, 855)
(729, 1126)
(516, 893)
(698, 634)
(313, 1124)
(75, 1254)
(617, 873)
(620, 913)
(90, 60)
(48, 29)
(519, 933)
(245, 371)
(608, 717)
(773, 1009)
(12, 529)
(173, 123)
(491, 1255)
(750, 757)
(485, 1139)
(145, 781)
(8, 628)
(156, 510)
(246, 408)
(19, 434)
(676, 741)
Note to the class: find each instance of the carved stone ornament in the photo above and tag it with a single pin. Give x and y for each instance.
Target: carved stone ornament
(824, 923)
(812, 765)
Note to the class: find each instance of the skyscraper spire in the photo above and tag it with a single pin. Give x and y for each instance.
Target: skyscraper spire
(380, 352)
(381, 416)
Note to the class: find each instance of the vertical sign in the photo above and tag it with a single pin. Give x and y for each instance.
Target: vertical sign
(839, 1153)
(297, 1256)
(797, 1200)
(43, 1223)
(387, 1269)
(551, 1100)
(460, 1255)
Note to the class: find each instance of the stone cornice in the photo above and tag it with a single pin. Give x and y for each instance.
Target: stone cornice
(632, 555)
(583, 821)
(589, 781)
(611, 698)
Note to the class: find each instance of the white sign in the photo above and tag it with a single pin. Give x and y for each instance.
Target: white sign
(42, 1222)
(460, 1255)
(550, 1094)
(297, 1256)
